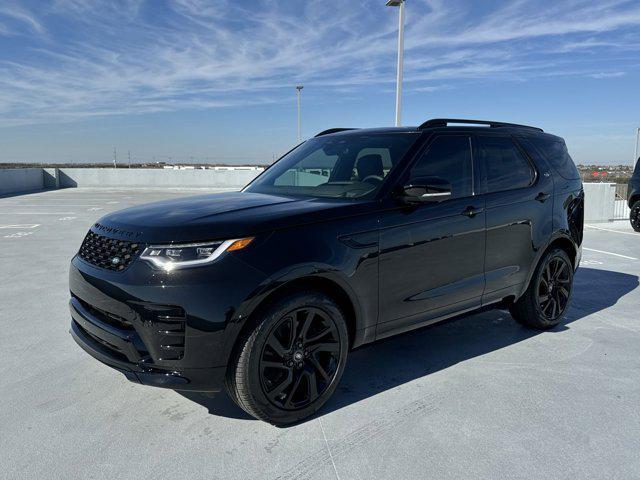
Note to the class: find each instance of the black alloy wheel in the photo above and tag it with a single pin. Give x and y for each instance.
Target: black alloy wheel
(546, 299)
(300, 358)
(290, 362)
(634, 216)
(554, 288)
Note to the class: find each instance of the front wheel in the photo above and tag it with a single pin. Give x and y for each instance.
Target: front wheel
(290, 364)
(549, 292)
(634, 215)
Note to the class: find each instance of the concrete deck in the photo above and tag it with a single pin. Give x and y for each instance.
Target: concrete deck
(478, 398)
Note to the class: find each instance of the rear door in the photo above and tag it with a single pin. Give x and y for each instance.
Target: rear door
(432, 254)
(519, 211)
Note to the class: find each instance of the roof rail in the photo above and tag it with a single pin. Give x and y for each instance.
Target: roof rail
(333, 130)
(443, 122)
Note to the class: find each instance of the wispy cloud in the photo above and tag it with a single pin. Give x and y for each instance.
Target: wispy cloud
(114, 57)
(21, 18)
(601, 75)
(524, 19)
(431, 88)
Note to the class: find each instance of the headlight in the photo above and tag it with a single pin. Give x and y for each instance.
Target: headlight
(171, 257)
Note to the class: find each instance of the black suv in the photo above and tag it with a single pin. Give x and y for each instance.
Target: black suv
(353, 236)
(634, 198)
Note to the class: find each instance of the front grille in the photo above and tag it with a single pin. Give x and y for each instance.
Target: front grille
(109, 253)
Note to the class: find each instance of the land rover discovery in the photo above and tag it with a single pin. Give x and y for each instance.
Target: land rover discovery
(353, 236)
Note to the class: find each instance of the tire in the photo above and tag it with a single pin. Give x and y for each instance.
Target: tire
(288, 366)
(548, 295)
(634, 216)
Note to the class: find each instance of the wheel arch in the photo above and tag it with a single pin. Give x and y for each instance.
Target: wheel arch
(565, 244)
(316, 283)
(247, 316)
(559, 241)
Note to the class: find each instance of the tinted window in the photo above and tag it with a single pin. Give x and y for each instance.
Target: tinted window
(448, 158)
(505, 167)
(556, 153)
(347, 166)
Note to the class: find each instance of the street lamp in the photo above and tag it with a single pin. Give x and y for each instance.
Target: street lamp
(635, 154)
(298, 91)
(399, 3)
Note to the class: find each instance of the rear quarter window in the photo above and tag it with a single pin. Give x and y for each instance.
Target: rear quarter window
(504, 166)
(556, 153)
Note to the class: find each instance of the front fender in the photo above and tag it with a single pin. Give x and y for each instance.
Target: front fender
(288, 276)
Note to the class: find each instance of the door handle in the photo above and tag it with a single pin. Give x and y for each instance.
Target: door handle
(542, 196)
(471, 211)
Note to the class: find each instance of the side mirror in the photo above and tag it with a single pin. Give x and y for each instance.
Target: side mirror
(427, 189)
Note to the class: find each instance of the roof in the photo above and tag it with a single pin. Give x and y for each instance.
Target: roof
(360, 131)
(437, 124)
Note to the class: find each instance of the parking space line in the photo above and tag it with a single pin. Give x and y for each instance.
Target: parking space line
(611, 230)
(324, 435)
(18, 235)
(24, 225)
(609, 253)
(23, 205)
(37, 213)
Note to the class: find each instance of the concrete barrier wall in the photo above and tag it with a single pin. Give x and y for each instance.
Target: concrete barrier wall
(599, 202)
(143, 177)
(599, 197)
(14, 180)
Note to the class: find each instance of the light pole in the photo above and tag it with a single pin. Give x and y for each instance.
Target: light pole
(635, 153)
(298, 91)
(399, 3)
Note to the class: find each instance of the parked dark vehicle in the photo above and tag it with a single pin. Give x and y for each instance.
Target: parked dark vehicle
(353, 236)
(634, 198)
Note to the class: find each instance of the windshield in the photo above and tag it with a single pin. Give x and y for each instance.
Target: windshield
(342, 166)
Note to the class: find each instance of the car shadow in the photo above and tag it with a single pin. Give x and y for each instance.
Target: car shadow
(385, 364)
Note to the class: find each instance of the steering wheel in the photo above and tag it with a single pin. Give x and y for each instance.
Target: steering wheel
(376, 179)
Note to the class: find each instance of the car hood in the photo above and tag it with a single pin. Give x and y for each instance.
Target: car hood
(217, 216)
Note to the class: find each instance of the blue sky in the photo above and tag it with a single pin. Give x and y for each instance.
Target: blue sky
(215, 79)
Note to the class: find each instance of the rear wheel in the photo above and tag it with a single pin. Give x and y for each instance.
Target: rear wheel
(549, 293)
(290, 364)
(634, 216)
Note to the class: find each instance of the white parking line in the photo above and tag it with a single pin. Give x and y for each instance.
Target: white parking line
(24, 225)
(611, 230)
(23, 205)
(37, 213)
(584, 263)
(18, 235)
(609, 253)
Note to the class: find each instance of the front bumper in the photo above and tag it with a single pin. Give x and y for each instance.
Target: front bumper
(158, 329)
(201, 379)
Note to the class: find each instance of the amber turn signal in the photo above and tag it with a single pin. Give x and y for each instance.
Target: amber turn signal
(240, 244)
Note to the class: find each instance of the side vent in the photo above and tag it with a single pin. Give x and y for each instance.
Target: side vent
(168, 323)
